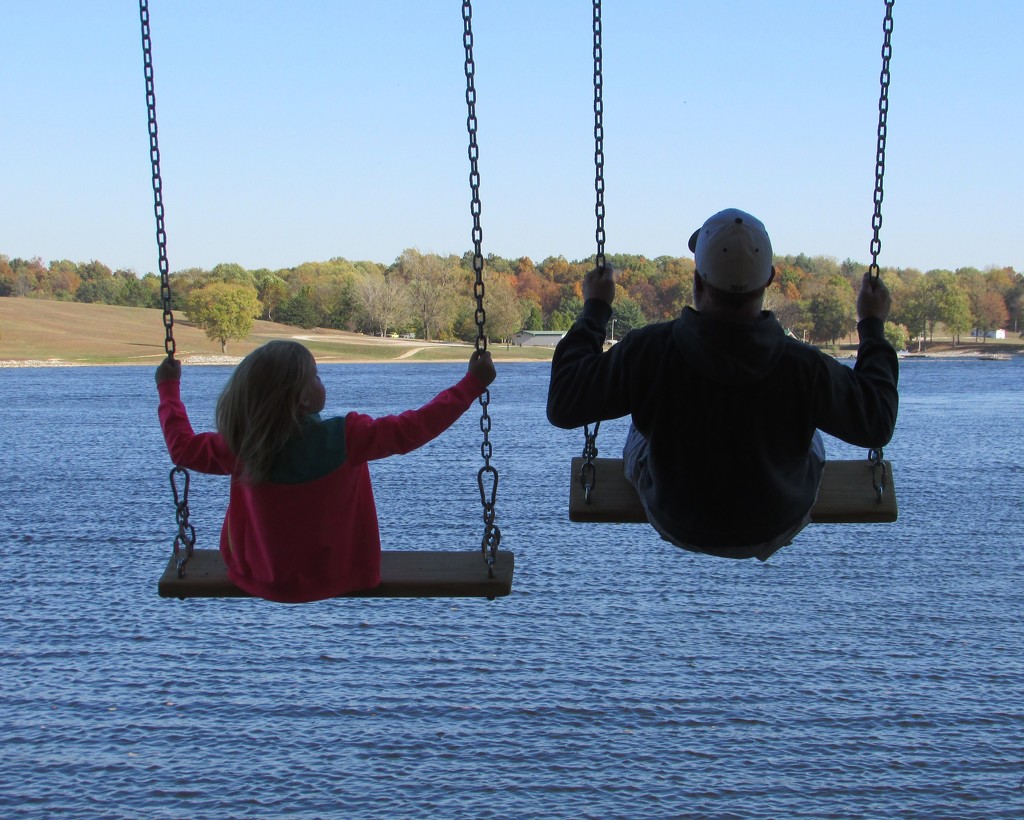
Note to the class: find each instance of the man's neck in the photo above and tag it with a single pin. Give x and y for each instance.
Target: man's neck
(726, 313)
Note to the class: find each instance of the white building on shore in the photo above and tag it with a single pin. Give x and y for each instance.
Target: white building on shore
(538, 338)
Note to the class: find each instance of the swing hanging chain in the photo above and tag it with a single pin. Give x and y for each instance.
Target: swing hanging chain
(158, 200)
(599, 135)
(487, 477)
(877, 472)
(186, 532)
(875, 454)
(883, 116)
(186, 536)
(588, 473)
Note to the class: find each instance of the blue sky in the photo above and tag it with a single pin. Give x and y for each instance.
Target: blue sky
(298, 131)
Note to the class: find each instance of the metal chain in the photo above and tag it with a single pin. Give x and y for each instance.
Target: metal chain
(186, 536)
(158, 200)
(875, 455)
(588, 473)
(487, 474)
(599, 134)
(883, 115)
(877, 472)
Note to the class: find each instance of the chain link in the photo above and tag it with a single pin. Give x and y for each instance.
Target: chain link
(877, 472)
(883, 115)
(186, 532)
(158, 200)
(487, 477)
(588, 473)
(186, 536)
(599, 134)
(875, 454)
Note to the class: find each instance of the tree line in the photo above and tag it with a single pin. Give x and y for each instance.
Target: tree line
(431, 296)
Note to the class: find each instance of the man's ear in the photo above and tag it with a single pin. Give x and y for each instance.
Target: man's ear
(770, 278)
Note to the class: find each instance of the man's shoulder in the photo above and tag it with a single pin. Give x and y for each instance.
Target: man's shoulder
(664, 328)
(804, 354)
(653, 335)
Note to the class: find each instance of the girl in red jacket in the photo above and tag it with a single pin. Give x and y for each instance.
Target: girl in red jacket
(301, 523)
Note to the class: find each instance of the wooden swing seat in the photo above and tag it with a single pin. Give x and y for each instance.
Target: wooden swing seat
(846, 496)
(425, 574)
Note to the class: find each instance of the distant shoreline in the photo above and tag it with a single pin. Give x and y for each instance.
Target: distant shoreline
(36, 333)
(230, 361)
(190, 360)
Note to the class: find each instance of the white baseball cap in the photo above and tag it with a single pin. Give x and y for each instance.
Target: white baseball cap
(733, 252)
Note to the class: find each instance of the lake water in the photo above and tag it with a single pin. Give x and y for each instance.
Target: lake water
(867, 670)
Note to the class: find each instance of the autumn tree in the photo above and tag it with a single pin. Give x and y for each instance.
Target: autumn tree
(136, 292)
(331, 287)
(224, 310)
(271, 290)
(28, 275)
(832, 310)
(151, 282)
(1010, 285)
(1001, 280)
(557, 270)
(183, 282)
(383, 302)
(990, 313)
(934, 288)
(63, 278)
(952, 305)
(504, 311)
(98, 284)
(231, 272)
(674, 285)
(1015, 303)
(644, 295)
(793, 314)
(530, 285)
(897, 335)
(6, 277)
(911, 309)
(494, 263)
(432, 284)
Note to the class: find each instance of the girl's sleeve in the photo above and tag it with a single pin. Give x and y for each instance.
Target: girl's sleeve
(368, 438)
(205, 452)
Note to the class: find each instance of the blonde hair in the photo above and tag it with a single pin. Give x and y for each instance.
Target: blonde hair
(260, 407)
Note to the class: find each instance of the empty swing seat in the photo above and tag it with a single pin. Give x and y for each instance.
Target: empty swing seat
(409, 574)
(847, 495)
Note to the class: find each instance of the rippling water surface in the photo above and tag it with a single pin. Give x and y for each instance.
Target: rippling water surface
(864, 671)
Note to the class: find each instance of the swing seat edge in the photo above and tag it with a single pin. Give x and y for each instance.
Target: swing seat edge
(846, 495)
(404, 574)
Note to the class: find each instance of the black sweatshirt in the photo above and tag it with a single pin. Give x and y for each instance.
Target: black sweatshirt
(729, 409)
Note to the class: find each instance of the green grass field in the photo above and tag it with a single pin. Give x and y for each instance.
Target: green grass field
(40, 330)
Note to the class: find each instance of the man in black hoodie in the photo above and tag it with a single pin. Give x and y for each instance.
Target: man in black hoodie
(724, 448)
